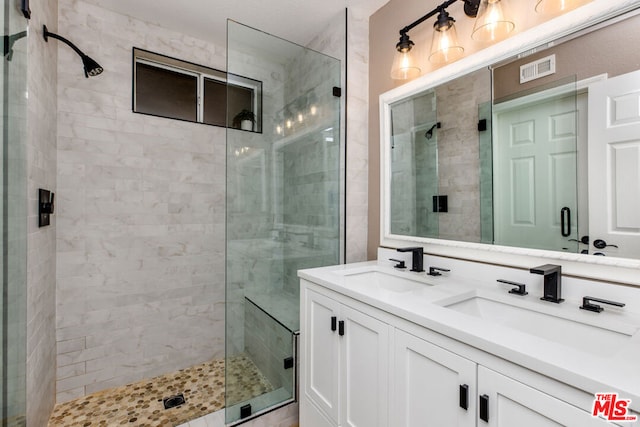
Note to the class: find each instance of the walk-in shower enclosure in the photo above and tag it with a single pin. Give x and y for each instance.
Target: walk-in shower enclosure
(13, 223)
(283, 210)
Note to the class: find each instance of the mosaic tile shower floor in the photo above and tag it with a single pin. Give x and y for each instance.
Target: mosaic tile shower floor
(140, 404)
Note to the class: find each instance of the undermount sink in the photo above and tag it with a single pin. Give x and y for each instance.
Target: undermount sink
(390, 285)
(383, 280)
(602, 341)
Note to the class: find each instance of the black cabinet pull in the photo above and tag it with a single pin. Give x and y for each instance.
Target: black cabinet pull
(484, 408)
(565, 222)
(341, 328)
(334, 321)
(464, 396)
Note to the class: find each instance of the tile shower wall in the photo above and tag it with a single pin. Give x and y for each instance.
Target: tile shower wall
(140, 217)
(458, 154)
(41, 244)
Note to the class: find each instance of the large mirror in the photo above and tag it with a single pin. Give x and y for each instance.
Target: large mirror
(540, 150)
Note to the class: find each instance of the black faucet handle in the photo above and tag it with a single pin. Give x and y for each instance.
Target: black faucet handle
(586, 304)
(435, 271)
(400, 263)
(520, 289)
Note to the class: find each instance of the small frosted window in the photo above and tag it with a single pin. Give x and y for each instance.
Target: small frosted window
(166, 93)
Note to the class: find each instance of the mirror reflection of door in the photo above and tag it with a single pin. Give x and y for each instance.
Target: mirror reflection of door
(614, 165)
(535, 170)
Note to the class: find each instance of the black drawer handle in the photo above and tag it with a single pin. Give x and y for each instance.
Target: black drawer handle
(484, 408)
(464, 396)
(334, 321)
(341, 328)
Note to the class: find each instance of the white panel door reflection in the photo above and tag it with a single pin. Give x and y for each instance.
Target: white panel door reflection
(535, 156)
(614, 165)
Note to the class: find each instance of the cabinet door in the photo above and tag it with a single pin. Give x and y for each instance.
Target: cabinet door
(512, 403)
(432, 386)
(365, 370)
(320, 361)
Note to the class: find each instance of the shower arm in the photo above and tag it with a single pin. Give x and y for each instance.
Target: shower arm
(47, 34)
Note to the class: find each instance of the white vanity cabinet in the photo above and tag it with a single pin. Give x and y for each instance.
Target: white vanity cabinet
(345, 374)
(386, 371)
(431, 386)
(512, 403)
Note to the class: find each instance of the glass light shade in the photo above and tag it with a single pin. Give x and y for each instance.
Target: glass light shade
(444, 46)
(493, 21)
(558, 6)
(404, 66)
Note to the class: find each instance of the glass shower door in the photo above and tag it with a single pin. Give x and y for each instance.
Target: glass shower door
(13, 69)
(414, 167)
(283, 209)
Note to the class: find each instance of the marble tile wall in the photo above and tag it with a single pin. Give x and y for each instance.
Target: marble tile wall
(358, 136)
(41, 255)
(141, 211)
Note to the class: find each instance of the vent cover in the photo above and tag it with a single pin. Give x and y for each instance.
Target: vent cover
(537, 69)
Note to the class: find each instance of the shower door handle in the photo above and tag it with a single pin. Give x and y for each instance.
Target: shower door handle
(565, 222)
(334, 321)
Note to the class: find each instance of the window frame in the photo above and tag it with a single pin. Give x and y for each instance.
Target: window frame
(201, 73)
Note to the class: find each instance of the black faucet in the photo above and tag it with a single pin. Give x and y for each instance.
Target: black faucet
(417, 261)
(552, 282)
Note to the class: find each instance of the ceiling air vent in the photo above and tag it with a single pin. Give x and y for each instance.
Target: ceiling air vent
(536, 69)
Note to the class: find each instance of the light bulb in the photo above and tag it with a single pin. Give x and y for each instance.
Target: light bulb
(493, 21)
(444, 45)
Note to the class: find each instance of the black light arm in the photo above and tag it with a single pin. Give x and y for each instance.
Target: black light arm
(91, 67)
(470, 9)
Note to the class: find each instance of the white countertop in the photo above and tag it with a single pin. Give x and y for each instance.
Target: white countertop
(592, 369)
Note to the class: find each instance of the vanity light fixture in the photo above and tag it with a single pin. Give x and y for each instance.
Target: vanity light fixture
(444, 44)
(91, 67)
(444, 47)
(404, 64)
(493, 22)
